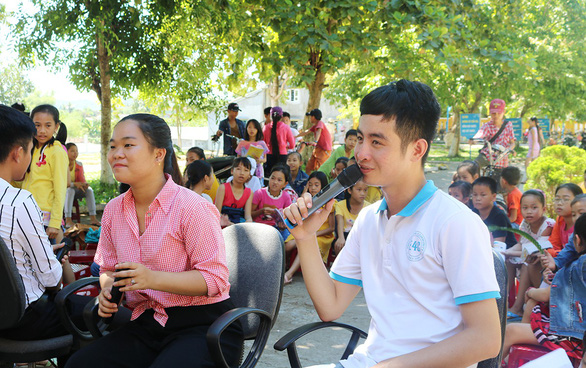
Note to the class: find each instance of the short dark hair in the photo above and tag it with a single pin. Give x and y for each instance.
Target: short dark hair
(350, 132)
(241, 161)
(487, 182)
(575, 189)
(284, 169)
(286, 114)
(259, 135)
(580, 229)
(196, 172)
(464, 186)
(536, 193)
(511, 174)
(17, 130)
(295, 153)
(321, 176)
(267, 110)
(70, 144)
(198, 151)
(414, 107)
(343, 160)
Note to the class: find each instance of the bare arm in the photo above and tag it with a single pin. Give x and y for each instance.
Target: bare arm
(317, 134)
(513, 215)
(248, 209)
(220, 197)
(183, 283)
(480, 340)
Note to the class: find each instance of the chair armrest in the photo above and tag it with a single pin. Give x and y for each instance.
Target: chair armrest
(225, 320)
(60, 302)
(288, 341)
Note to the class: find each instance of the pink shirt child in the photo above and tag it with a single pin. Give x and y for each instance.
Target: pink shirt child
(182, 232)
(284, 137)
(262, 198)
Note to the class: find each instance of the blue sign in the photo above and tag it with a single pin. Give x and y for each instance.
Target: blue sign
(517, 127)
(544, 125)
(469, 125)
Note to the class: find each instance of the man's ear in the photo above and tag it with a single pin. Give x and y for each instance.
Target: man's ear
(17, 153)
(419, 148)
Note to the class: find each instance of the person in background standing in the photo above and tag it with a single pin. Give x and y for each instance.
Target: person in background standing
(322, 142)
(277, 136)
(234, 127)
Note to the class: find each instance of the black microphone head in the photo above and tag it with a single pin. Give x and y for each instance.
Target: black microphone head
(349, 176)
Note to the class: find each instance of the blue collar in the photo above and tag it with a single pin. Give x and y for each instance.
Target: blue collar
(424, 194)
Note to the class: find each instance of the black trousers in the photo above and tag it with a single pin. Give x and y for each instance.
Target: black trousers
(181, 343)
(272, 160)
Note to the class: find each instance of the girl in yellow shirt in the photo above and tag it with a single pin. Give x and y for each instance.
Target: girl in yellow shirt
(47, 175)
(347, 211)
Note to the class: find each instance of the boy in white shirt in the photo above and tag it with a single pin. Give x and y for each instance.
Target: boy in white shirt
(423, 260)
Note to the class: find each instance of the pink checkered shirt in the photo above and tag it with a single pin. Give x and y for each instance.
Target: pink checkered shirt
(487, 131)
(182, 232)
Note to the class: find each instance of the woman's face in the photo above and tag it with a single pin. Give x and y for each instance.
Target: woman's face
(46, 127)
(251, 129)
(131, 157)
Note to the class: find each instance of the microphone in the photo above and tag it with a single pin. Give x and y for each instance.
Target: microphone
(348, 177)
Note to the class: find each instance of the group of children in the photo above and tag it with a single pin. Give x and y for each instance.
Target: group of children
(243, 198)
(548, 315)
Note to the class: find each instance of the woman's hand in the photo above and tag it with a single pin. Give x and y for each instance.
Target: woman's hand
(105, 306)
(136, 276)
(52, 232)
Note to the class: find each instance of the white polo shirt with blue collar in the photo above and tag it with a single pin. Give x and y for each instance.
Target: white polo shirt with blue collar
(416, 268)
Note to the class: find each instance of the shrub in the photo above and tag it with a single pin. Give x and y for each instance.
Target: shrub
(556, 165)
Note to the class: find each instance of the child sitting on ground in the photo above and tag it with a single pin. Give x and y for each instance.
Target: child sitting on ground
(347, 211)
(234, 200)
(78, 188)
(523, 254)
(564, 224)
(199, 178)
(461, 190)
(559, 324)
(272, 197)
(483, 197)
(510, 178)
(298, 177)
(325, 234)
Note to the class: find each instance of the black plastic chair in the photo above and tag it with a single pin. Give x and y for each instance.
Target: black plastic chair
(12, 307)
(256, 259)
(288, 341)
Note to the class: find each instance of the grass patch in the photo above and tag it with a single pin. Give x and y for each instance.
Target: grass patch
(439, 152)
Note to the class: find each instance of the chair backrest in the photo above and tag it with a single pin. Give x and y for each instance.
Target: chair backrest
(12, 302)
(501, 276)
(255, 256)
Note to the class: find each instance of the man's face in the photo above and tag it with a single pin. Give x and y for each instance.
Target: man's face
(378, 152)
(497, 116)
(232, 114)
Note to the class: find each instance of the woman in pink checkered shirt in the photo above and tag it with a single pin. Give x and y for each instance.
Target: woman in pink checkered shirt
(169, 240)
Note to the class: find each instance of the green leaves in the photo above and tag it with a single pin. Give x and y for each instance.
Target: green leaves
(518, 232)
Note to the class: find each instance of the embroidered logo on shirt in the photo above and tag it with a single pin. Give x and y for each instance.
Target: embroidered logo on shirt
(416, 247)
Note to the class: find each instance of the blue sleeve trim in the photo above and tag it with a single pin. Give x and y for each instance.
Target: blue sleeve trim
(345, 280)
(477, 297)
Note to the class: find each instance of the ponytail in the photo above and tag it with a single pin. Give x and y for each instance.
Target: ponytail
(276, 115)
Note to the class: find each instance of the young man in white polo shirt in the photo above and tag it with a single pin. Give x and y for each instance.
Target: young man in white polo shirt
(422, 258)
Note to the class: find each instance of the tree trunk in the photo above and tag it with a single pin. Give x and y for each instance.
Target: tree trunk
(277, 87)
(106, 109)
(315, 88)
(455, 147)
